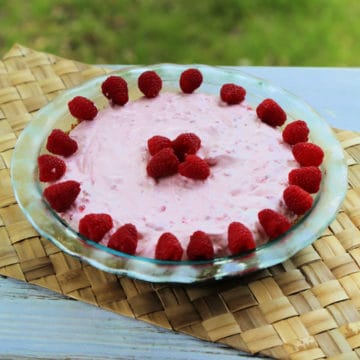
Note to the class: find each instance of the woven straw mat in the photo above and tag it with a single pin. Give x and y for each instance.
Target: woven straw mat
(305, 308)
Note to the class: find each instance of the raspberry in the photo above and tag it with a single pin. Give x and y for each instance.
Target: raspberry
(115, 88)
(95, 226)
(232, 94)
(308, 154)
(51, 168)
(308, 178)
(60, 196)
(190, 80)
(157, 142)
(82, 108)
(186, 143)
(168, 247)
(297, 200)
(194, 168)
(240, 238)
(150, 83)
(162, 164)
(124, 239)
(296, 132)
(200, 247)
(60, 143)
(273, 223)
(271, 113)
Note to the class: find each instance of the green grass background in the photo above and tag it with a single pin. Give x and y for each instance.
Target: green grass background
(228, 32)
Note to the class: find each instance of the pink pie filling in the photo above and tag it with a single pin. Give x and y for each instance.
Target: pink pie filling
(249, 172)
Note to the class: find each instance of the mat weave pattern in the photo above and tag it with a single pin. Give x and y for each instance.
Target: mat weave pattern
(305, 308)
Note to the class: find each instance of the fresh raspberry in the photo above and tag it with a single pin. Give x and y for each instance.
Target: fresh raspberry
(296, 132)
(61, 195)
(168, 247)
(115, 88)
(297, 200)
(190, 80)
(82, 108)
(200, 247)
(157, 143)
(271, 113)
(150, 83)
(240, 238)
(194, 168)
(186, 143)
(51, 168)
(232, 94)
(162, 164)
(308, 178)
(273, 223)
(60, 143)
(124, 239)
(308, 154)
(95, 226)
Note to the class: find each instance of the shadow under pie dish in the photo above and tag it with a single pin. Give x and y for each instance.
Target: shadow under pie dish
(54, 226)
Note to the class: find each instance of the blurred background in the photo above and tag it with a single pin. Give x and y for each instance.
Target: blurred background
(227, 32)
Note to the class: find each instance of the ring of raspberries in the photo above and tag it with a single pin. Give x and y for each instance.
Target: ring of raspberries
(178, 157)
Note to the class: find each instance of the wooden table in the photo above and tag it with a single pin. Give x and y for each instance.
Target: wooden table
(37, 323)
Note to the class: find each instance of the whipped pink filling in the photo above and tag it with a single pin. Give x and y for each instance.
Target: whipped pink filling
(249, 173)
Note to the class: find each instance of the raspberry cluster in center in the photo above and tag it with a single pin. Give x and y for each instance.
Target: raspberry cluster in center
(177, 156)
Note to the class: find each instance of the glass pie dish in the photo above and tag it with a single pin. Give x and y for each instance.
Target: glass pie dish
(28, 190)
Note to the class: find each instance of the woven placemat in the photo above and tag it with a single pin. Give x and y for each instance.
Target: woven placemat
(305, 308)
